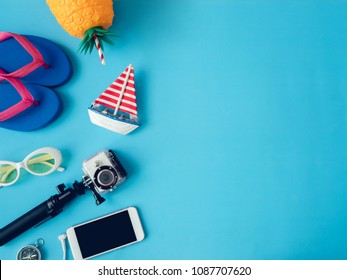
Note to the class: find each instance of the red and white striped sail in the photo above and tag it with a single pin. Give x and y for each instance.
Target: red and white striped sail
(121, 95)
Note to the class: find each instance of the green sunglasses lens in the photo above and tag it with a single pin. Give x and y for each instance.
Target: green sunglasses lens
(41, 163)
(8, 173)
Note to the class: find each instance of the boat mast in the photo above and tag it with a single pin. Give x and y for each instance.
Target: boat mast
(123, 90)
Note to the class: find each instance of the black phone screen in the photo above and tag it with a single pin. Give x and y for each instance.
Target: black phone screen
(105, 234)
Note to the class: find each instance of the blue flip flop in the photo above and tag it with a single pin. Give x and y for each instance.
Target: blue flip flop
(27, 107)
(34, 59)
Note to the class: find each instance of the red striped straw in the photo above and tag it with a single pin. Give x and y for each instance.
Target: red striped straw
(97, 44)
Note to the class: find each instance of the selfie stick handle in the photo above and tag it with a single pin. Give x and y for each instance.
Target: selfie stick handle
(36, 216)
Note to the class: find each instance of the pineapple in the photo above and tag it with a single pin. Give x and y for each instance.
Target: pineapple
(85, 19)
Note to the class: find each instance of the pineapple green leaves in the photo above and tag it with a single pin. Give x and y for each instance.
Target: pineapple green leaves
(88, 42)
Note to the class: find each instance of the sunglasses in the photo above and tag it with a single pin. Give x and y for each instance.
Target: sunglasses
(40, 162)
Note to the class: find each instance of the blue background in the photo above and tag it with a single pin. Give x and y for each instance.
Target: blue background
(242, 149)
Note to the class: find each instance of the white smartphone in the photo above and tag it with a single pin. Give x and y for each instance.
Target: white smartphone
(105, 234)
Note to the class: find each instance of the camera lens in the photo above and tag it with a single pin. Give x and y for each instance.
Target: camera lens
(105, 177)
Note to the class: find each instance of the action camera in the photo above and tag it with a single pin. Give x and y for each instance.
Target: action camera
(104, 170)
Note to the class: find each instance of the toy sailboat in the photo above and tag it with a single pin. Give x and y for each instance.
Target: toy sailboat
(116, 109)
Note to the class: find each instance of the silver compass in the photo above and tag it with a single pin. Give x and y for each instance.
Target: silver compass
(31, 252)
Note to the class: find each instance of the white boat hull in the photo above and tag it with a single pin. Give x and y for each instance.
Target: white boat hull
(109, 123)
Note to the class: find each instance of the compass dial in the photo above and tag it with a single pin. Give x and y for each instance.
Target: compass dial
(29, 253)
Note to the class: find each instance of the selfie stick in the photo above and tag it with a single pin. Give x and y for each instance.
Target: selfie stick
(41, 213)
(48, 209)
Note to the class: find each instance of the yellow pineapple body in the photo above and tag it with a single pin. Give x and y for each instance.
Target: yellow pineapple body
(77, 16)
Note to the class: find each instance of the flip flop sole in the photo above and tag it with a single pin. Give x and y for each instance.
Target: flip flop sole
(13, 56)
(34, 117)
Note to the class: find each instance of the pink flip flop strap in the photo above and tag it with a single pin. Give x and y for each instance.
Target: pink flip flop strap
(26, 102)
(34, 52)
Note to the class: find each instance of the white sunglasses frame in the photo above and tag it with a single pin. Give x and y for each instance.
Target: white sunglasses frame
(55, 153)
